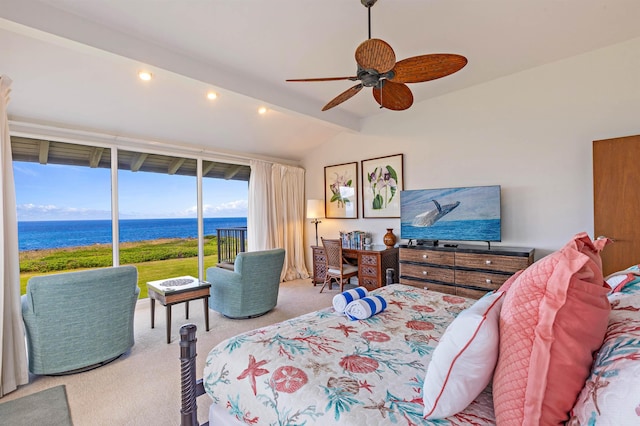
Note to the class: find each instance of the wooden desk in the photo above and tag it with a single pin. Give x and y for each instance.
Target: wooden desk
(372, 264)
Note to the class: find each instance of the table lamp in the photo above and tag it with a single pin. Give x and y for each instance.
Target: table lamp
(315, 210)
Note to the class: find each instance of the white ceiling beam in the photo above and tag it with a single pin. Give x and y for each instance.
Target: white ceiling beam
(43, 155)
(175, 165)
(207, 169)
(138, 161)
(231, 172)
(96, 155)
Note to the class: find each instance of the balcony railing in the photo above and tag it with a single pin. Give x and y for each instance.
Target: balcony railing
(231, 241)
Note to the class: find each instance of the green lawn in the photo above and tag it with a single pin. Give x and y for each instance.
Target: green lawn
(155, 260)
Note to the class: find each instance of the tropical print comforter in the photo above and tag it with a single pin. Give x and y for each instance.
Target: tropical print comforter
(324, 369)
(611, 395)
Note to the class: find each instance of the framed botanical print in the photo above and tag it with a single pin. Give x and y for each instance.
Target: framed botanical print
(341, 191)
(382, 181)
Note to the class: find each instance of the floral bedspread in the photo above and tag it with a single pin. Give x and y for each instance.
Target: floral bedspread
(612, 392)
(323, 369)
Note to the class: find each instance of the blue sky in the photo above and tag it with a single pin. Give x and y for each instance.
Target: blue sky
(55, 192)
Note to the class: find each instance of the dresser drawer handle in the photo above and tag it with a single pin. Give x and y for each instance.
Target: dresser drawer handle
(424, 256)
(424, 272)
(488, 262)
(488, 281)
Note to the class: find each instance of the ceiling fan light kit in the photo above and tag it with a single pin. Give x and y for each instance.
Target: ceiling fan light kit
(378, 69)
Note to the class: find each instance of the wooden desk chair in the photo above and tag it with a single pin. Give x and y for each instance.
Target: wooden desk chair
(336, 268)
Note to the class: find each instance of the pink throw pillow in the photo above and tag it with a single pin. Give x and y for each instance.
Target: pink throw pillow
(507, 284)
(553, 319)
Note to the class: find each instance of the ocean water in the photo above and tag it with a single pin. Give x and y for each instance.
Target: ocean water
(39, 235)
(454, 230)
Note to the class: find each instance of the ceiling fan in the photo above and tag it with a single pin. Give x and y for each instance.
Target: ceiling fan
(377, 68)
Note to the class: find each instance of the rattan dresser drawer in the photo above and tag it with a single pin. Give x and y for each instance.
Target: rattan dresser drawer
(442, 288)
(480, 279)
(444, 258)
(425, 272)
(491, 262)
(470, 293)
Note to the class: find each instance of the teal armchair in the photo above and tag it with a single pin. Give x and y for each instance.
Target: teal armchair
(79, 320)
(251, 289)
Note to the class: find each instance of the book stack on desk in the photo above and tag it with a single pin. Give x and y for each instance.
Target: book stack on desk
(353, 239)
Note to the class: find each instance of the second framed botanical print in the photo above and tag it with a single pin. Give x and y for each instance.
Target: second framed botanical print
(341, 191)
(382, 181)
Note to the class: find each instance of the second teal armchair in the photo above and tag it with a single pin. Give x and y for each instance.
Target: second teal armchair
(251, 289)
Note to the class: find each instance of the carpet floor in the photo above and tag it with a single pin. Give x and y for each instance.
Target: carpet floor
(45, 408)
(142, 387)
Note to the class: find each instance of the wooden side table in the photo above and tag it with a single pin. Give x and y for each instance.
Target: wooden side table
(170, 298)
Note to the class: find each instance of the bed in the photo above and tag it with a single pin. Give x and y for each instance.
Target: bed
(350, 372)
(324, 369)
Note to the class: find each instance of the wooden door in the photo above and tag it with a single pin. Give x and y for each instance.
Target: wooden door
(616, 199)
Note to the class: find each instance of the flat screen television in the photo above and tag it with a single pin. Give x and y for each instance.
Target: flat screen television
(469, 213)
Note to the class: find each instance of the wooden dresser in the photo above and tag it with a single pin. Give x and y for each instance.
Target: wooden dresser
(465, 270)
(372, 264)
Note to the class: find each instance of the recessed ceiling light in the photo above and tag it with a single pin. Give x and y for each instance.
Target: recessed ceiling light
(262, 110)
(145, 75)
(212, 95)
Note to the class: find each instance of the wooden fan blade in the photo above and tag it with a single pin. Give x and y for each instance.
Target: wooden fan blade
(427, 67)
(343, 96)
(354, 78)
(395, 96)
(375, 54)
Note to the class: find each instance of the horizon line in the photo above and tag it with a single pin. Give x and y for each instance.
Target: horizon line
(138, 218)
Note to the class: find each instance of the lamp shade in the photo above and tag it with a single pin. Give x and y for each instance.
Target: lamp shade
(315, 209)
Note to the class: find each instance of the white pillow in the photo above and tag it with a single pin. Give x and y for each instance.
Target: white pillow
(463, 362)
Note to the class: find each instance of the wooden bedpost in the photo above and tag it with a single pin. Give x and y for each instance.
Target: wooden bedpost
(189, 409)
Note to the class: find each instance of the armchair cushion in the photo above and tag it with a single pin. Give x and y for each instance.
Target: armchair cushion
(251, 289)
(75, 320)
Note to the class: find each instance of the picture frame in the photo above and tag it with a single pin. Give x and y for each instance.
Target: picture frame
(341, 191)
(382, 181)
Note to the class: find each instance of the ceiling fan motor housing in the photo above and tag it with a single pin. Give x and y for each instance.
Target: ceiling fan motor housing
(369, 78)
(372, 78)
(368, 3)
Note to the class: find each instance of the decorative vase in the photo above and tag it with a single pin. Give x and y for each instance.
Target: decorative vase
(389, 239)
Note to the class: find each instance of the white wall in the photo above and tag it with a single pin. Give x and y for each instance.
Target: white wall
(530, 132)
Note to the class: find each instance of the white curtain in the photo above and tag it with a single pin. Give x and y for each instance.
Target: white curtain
(260, 216)
(276, 214)
(288, 191)
(13, 360)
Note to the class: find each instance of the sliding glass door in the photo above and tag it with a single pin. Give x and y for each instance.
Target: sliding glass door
(67, 195)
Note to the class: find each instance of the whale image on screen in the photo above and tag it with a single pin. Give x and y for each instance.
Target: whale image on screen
(456, 214)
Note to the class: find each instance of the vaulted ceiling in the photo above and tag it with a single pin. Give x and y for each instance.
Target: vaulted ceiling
(74, 63)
